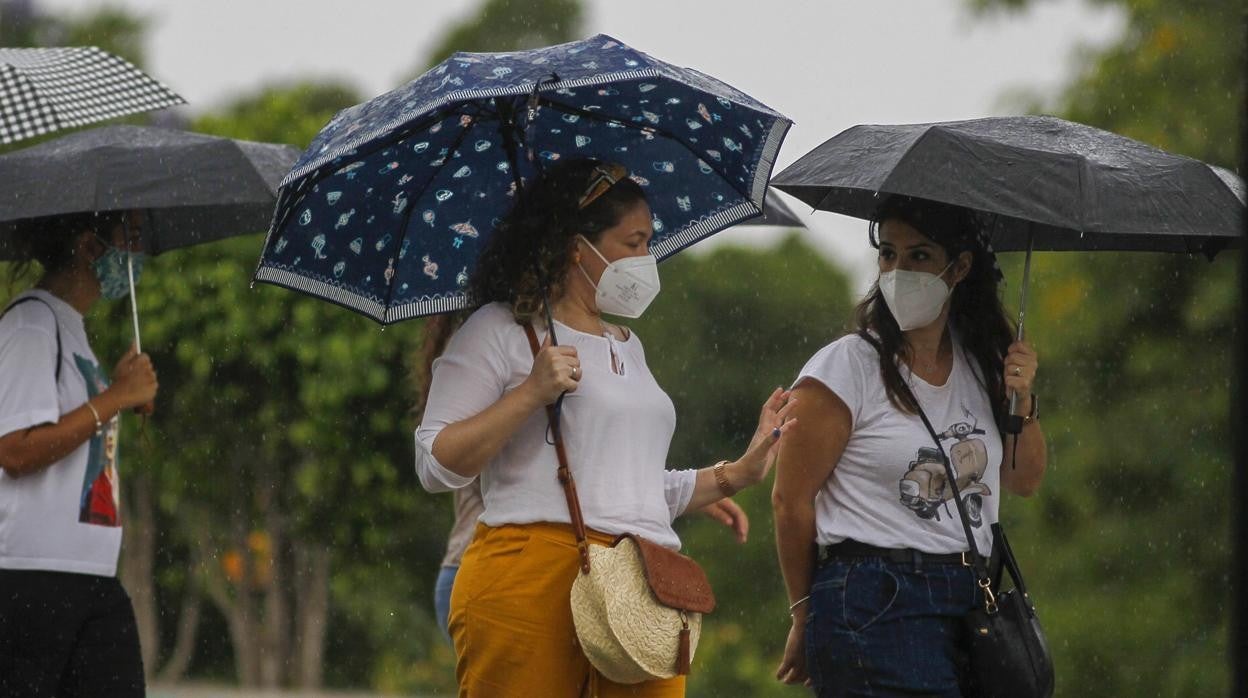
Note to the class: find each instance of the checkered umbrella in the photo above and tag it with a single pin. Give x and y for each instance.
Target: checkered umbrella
(47, 89)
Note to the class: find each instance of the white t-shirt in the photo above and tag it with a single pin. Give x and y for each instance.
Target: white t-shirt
(889, 488)
(66, 517)
(617, 427)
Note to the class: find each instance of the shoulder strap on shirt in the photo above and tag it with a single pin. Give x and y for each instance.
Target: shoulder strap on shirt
(55, 324)
(565, 472)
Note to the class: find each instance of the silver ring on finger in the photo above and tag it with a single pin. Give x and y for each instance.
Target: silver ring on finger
(576, 371)
(1018, 371)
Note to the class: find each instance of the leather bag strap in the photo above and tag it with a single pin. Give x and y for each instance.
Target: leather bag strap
(1008, 562)
(565, 472)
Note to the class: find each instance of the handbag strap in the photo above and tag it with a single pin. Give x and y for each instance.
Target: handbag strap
(977, 560)
(565, 472)
(1008, 561)
(55, 322)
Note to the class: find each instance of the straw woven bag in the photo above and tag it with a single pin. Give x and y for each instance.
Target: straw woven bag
(636, 605)
(638, 611)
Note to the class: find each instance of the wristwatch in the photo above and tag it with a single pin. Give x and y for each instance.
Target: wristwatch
(721, 479)
(1035, 411)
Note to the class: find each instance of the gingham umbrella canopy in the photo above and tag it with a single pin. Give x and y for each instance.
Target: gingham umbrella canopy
(47, 89)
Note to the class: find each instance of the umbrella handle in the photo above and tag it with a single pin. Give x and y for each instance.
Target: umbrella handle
(557, 410)
(149, 408)
(1015, 424)
(1014, 420)
(134, 304)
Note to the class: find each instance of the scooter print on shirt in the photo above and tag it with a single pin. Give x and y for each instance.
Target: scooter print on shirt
(925, 486)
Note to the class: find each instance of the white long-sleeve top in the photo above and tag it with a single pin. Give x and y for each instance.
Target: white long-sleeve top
(617, 427)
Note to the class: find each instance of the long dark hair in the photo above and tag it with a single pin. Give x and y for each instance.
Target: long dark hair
(531, 251)
(975, 309)
(49, 240)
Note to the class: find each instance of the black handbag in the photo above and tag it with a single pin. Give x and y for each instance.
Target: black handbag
(1009, 656)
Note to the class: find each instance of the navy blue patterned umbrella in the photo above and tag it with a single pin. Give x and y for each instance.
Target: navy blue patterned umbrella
(387, 210)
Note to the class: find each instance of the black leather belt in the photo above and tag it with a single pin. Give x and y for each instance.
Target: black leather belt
(852, 548)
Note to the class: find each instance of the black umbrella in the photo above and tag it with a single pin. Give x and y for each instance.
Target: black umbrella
(47, 89)
(194, 188)
(776, 213)
(1042, 182)
(1065, 185)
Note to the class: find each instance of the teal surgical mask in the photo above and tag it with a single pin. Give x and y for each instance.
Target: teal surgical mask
(112, 273)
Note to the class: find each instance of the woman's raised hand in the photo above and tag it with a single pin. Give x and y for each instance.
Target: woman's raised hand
(556, 370)
(773, 422)
(134, 380)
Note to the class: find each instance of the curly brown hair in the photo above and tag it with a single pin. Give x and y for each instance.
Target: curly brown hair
(530, 253)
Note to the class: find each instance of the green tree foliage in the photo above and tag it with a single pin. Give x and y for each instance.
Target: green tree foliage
(23, 23)
(504, 25)
(291, 113)
(1127, 545)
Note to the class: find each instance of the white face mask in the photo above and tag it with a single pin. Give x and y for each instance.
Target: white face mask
(627, 285)
(914, 297)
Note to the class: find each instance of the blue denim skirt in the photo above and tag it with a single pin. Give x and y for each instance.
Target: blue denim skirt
(882, 628)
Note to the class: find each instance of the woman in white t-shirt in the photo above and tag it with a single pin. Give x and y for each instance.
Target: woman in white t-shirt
(585, 227)
(869, 540)
(67, 627)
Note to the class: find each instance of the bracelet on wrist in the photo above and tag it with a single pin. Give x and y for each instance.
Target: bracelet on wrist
(721, 479)
(1034, 413)
(99, 423)
(793, 606)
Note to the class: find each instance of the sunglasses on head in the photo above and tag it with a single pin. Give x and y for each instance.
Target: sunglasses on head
(601, 180)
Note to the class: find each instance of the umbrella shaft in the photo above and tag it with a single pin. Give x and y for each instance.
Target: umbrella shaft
(1022, 306)
(134, 304)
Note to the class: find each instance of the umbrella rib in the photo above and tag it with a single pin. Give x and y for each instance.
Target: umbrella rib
(507, 125)
(645, 129)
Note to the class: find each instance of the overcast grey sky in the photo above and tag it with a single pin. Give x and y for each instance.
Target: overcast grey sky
(827, 64)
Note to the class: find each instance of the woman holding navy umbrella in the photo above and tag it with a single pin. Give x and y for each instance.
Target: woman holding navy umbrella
(871, 546)
(67, 627)
(586, 226)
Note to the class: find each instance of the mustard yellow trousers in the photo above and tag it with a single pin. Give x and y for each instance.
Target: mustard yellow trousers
(511, 619)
